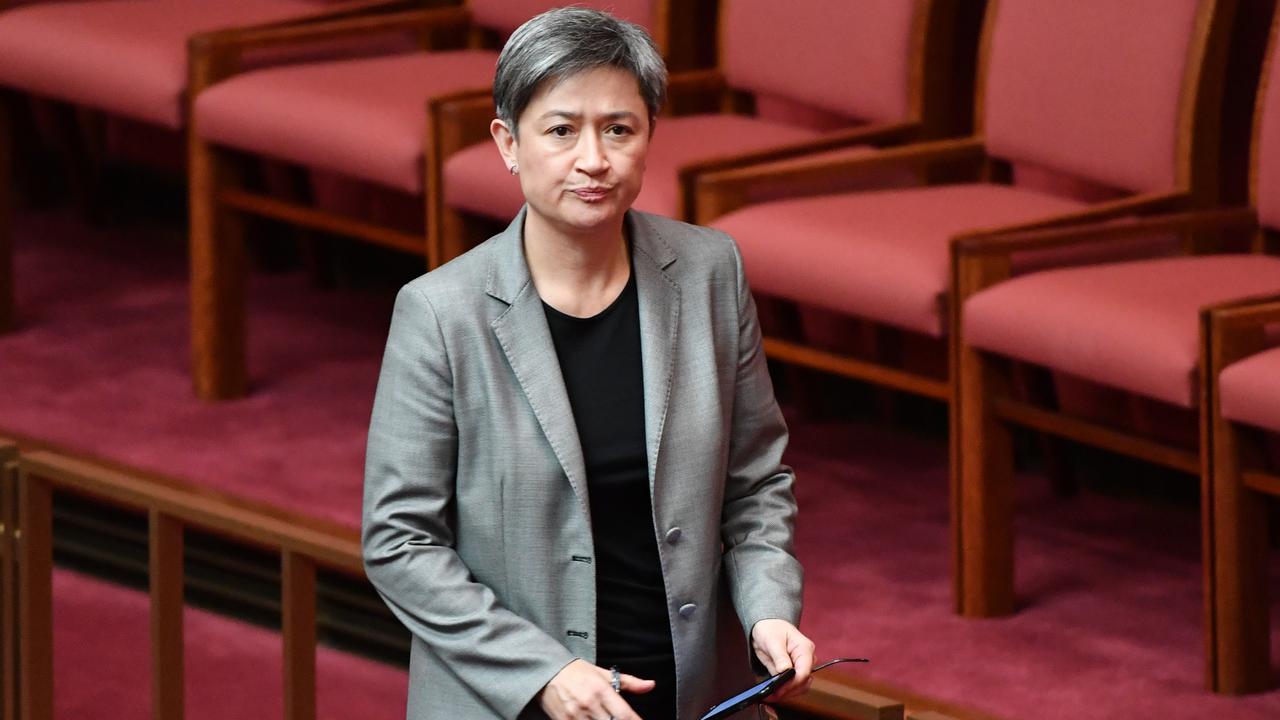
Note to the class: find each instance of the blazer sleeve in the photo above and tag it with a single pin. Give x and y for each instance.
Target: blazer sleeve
(758, 517)
(408, 533)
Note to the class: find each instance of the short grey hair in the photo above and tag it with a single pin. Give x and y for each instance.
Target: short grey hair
(566, 41)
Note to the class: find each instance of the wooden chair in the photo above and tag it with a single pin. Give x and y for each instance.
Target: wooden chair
(1245, 401)
(1061, 86)
(126, 58)
(1134, 326)
(838, 74)
(363, 119)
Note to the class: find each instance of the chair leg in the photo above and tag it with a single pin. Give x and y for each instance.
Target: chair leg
(1036, 386)
(218, 363)
(805, 387)
(7, 299)
(984, 503)
(1240, 624)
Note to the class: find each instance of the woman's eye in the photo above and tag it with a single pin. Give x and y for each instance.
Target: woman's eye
(560, 131)
(618, 130)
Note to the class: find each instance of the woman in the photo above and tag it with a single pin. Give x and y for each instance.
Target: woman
(574, 430)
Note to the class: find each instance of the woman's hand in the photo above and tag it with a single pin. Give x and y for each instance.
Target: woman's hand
(779, 645)
(582, 691)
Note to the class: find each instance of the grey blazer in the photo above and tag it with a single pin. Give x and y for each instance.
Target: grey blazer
(477, 530)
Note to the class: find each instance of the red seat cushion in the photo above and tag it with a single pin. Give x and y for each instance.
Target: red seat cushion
(125, 56)
(1132, 325)
(476, 180)
(1250, 390)
(880, 255)
(365, 118)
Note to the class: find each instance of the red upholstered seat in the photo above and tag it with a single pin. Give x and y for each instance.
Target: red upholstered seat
(123, 56)
(363, 117)
(1250, 390)
(878, 255)
(476, 180)
(1131, 325)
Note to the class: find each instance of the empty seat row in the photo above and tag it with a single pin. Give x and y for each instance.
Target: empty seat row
(1114, 285)
(365, 118)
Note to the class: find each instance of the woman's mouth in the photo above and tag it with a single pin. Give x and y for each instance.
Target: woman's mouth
(591, 194)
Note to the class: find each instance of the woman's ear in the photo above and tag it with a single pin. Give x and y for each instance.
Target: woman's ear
(506, 142)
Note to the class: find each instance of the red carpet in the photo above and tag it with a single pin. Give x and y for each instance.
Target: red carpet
(233, 669)
(1111, 626)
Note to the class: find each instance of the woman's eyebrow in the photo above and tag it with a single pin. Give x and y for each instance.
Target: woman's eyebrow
(567, 115)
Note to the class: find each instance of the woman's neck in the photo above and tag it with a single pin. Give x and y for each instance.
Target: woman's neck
(579, 275)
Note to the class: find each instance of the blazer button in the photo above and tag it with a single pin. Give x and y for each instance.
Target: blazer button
(673, 535)
(686, 610)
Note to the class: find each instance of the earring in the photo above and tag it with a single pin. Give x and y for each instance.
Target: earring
(515, 170)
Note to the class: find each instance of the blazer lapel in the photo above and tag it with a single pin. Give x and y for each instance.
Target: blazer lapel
(525, 339)
(659, 297)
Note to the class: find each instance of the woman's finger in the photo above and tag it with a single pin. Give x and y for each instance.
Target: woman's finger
(633, 684)
(617, 708)
(801, 652)
(802, 655)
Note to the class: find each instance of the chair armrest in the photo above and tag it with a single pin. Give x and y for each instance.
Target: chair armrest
(216, 55)
(708, 80)
(454, 121)
(1113, 227)
(695, 91)
(985, 257)
(1234, 330)
(458, 120)
(723, 191)
(859, 137)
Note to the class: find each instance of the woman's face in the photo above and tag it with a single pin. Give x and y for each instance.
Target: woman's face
(581, 150)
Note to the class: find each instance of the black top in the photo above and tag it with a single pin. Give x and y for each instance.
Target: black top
(601, 364)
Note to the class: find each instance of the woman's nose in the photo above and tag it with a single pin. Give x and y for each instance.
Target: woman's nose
(591, 156)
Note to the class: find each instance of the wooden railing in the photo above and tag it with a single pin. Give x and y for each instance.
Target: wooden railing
(303, 544)
(29, 481)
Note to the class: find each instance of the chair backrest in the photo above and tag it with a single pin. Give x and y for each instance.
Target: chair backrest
(1265, 185)
(505, 16)
(854, 58)
(1104, 90)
